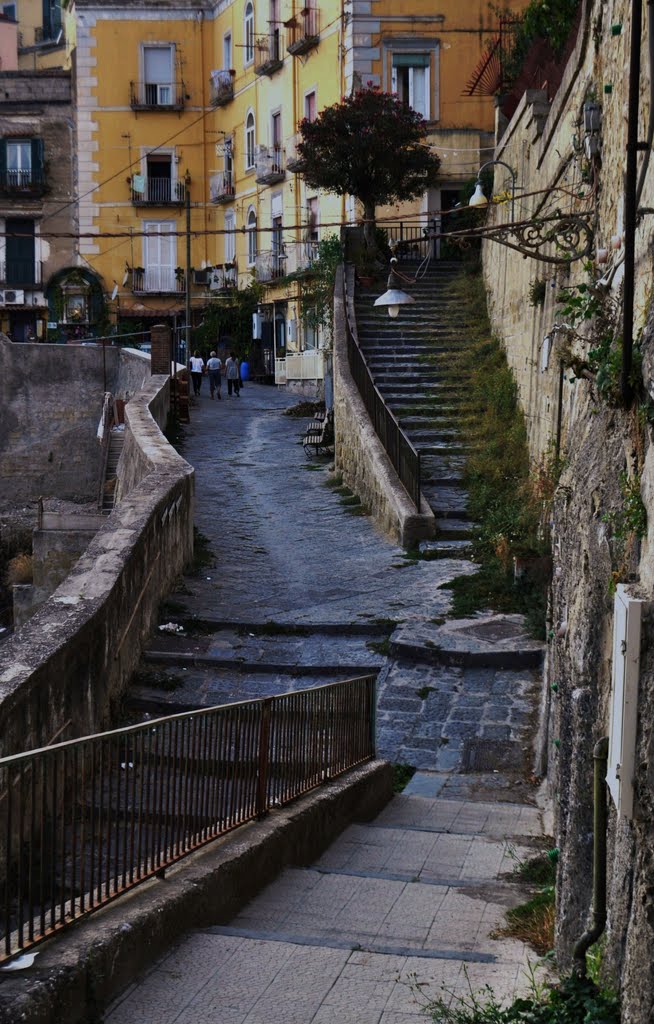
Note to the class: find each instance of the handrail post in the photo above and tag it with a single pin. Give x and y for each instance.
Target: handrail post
(262, 776)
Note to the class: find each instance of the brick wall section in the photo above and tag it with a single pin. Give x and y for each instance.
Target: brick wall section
(161, 349)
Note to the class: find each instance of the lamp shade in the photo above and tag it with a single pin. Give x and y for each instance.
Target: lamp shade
(478, 198)
(393, 298)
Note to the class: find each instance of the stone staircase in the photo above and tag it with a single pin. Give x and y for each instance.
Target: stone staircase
(407, 357)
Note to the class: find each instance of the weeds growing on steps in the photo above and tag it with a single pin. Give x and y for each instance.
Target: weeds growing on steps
(507, 497)
(573, 1000)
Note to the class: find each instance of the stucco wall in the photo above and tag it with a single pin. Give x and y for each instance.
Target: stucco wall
(359, 454)
(61, 672)
(600, 441)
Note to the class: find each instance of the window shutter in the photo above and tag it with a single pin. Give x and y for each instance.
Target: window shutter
(3, 159)
(37, 158)
(410, 60)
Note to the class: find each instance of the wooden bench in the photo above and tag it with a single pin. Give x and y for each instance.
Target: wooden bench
(319, 438)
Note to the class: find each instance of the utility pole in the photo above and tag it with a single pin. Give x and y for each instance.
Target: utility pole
(187, 182)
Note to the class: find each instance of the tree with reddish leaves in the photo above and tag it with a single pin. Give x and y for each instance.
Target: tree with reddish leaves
(371, 146)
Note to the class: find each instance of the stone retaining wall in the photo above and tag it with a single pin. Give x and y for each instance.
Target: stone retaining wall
(61, 672)
(360, 455)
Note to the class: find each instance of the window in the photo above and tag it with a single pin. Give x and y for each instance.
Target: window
(310, 105)
(248, 25)
(227, 51)
(249, 141)
(410, 80)
(312, 219)
(252, 236)
(276, 130)
(230, 237)
(158, 75)
(9, 11)
(21, 163)
(159, 256)
(20, 252)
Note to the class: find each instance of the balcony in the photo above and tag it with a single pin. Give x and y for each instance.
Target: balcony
(223, 277)
(270, 266)
(304, 31)
(221, 187)
(157, 191)
(157, 281)
(269, 165)
(21, 273)
(23, 183)
(157, 95)
(221, 87)
(293, 161)
(268, 54)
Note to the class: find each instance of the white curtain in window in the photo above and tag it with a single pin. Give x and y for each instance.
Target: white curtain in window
(419, 90)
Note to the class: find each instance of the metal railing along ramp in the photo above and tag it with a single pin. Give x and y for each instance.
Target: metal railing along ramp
(404, 457)
(84, 821)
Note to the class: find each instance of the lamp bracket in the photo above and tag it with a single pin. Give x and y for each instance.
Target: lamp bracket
(570, 235)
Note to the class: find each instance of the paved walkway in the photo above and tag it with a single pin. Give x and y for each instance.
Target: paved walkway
(395, 909)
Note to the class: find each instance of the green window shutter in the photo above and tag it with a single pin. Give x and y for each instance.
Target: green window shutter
(37, 161)
(410, 60)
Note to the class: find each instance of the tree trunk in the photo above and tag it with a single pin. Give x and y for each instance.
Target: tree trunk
(369, 226)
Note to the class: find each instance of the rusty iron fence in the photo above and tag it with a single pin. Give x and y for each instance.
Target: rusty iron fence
(84, 821)
(404, 457)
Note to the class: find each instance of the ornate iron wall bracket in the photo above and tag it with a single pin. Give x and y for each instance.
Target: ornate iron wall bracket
(570, 235)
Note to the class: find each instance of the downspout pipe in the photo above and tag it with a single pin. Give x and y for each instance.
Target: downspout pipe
(600, 818)
(630, 205)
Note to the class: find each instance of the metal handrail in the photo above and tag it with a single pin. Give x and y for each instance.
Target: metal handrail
(403, 456)
(86, 820)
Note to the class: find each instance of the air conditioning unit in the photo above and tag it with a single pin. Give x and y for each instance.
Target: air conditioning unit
(13, 298)
(256, 326)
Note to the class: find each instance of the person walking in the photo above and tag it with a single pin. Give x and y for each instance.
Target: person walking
(214, 366)
(231, 371)
(197, 369)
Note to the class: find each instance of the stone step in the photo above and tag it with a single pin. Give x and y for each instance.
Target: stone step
(445, 548)
(455, 528)
(447, 502)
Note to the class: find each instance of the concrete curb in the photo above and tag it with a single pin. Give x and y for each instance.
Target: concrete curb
(77, 974)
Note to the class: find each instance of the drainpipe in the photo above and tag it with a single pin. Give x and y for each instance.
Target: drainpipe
(600, 817)
(630, 202)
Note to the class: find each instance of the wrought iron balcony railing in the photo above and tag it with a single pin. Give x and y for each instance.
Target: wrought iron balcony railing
(157, 191)
(304, 31)
(269, 165)
(221, 187)
(153, 280)
(28, 182)
(268, 54)
(157, 95)
(270, 266)
(223, 277)
(221, 87)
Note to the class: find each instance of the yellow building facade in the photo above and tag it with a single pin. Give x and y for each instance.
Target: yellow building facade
(188, 112)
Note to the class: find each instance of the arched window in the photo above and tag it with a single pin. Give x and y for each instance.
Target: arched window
(249, 141)
(252, 236)
(248, 26)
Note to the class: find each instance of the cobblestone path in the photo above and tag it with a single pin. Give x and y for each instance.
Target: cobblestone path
(295, 590)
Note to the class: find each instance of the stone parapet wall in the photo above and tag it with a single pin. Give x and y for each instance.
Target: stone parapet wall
(62, 672)
(359, 454)
(599, 442)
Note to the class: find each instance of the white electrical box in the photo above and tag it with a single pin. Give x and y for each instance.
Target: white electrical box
(627, 620)
(256, 326)
(291, 331)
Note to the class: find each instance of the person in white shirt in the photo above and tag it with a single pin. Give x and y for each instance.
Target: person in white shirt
(197, 369)
(214, 366)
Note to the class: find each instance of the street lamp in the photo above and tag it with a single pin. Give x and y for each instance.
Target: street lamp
(394, 297)
(478, 199)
